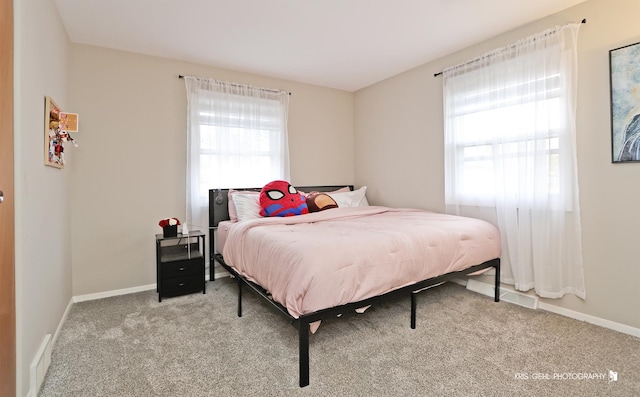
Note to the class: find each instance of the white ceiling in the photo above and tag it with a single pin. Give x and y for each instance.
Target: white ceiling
(344, 44)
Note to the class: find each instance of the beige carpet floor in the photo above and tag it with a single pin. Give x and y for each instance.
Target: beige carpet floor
(464, 345)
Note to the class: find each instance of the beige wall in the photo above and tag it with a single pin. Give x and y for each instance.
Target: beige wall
(43, 212)
(399, 152)
(129, 171)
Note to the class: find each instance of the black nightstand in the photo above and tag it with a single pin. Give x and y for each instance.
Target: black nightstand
(180, 264)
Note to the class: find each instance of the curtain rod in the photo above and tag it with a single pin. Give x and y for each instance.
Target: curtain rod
(439, 73)
(243, 85)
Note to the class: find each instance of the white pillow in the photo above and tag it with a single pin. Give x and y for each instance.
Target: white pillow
(247, 206)
(357, 198)
(233, 216)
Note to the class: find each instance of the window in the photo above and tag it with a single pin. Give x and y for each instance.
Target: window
(236, 137)
(500, 132)
(510, 156)
(241, 143)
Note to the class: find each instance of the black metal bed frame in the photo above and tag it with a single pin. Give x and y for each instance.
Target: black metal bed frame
(302, 322)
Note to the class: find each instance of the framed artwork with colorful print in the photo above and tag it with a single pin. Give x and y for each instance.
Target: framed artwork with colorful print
(624, 65)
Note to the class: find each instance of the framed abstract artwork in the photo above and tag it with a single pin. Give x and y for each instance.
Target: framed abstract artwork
(624, 67)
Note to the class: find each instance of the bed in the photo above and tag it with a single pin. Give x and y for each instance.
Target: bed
(319, 265)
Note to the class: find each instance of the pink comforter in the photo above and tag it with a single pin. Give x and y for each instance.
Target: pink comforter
(329, 258)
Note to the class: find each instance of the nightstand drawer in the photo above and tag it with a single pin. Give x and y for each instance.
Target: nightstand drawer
(180, 285)
(182, 268)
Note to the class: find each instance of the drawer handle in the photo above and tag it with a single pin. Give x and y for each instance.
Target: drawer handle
(182, 284)
(182, 269)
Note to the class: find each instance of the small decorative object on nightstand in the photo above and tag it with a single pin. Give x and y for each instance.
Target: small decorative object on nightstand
(180, 264)
(169, 226)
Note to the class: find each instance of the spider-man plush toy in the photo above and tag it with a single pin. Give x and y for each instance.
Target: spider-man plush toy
(279, 198)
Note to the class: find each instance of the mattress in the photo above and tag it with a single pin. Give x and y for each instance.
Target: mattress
(221, 234)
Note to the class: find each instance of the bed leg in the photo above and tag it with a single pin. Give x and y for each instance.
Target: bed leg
(239, 298)
(497, 282)
(413, 310)
(303, 353)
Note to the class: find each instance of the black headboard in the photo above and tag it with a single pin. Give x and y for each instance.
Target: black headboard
(219, 200)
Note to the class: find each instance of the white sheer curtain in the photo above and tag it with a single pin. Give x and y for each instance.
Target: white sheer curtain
(236, 137)
(510, 151)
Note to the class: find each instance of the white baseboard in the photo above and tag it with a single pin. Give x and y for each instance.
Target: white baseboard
(40, 366)
(487, 289)
(506, 294)
(42, 360)
(219, 273)
(61, 323)
(107, 294)
(623, 328)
